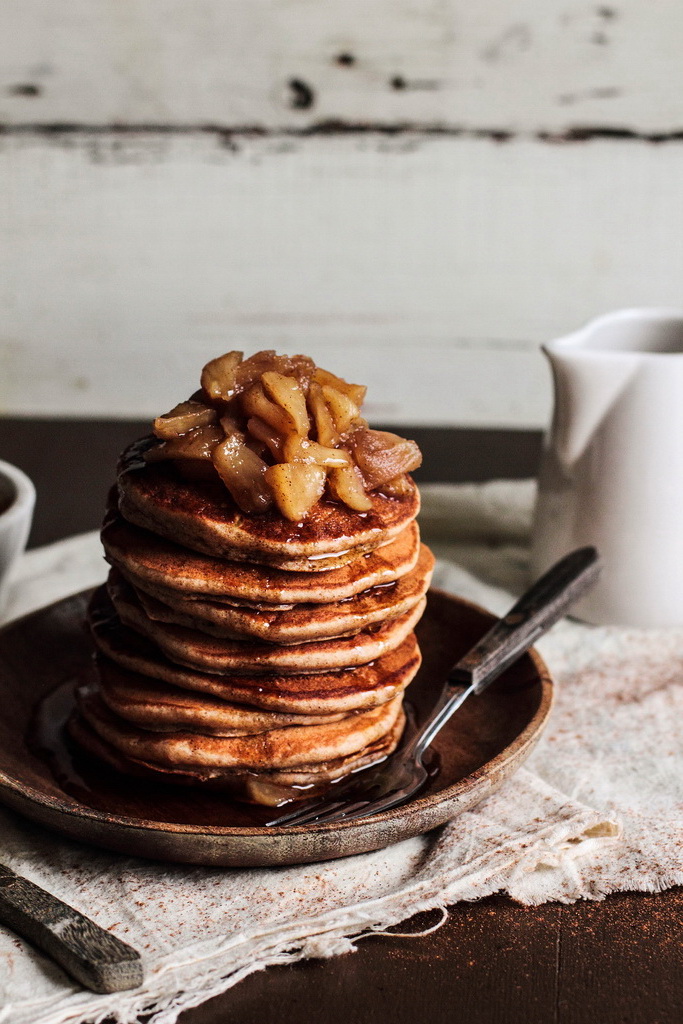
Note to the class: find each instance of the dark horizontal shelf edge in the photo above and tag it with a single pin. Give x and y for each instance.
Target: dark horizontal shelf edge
(72, 462)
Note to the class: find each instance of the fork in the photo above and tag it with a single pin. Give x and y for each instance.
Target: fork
(394, 780)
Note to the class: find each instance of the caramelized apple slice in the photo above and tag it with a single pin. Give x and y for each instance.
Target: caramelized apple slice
(229, 375)
(344, 411)
(196, 444)
(183, 418)
(255, 402)
(231, 424)
(381, 456)
(296, 487)
(243, 473)
(346, 485)
(249, 371)
(396, 487)
(263, 432)
(287, 393)
(218, 376)
(253, 368)
(301, 367)
(325, 429)
(356, 392)
(300, 449)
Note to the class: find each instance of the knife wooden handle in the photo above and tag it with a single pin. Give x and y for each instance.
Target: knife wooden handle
(537, 610)
(87, 952)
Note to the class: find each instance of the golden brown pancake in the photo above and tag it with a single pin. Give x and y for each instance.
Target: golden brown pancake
(312, 693)
(264, 787)
(203, 517)
(284, 748)
(211, 654)
(254, 634)
(302, 622)
(163, 708)
(164, 569)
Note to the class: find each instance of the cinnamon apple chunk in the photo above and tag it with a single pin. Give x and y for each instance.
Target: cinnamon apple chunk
(344, 411)
(381, 456)
(244, 474)
(267, 361)
(255, 402)
(325, 430)
(218, 376)
(182, 418)
(346, 485)
(263, 432)
(356, 392)
(296, 487)
(397, 486)
(195, 444)
(287, 393)
(300, 449)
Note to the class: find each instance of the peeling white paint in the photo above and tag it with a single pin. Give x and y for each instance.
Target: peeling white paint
(522, 67)
(430, 262)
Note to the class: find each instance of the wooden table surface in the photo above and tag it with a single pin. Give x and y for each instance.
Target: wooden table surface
(612, 962)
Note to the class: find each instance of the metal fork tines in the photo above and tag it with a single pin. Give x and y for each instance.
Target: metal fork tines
(378, 787)
(324, 810)
(394, 781)
(321, 808)
(339, 800)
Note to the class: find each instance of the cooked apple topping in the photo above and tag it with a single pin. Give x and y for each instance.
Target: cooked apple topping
(381, 456)
(198, 443)
(296, 487)
(346, 484)
(244, 473)
(185, 417)
(279, 430)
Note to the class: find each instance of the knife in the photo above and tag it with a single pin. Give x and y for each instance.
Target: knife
(91, 955)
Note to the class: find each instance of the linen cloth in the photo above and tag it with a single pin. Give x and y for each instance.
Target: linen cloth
(597, 808)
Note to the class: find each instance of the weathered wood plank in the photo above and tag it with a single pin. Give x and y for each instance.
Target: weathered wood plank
(537, 65)
(430, 269)
(493, 962)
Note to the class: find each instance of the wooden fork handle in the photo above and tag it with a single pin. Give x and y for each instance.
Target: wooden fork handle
(91, 955)
(536, 611)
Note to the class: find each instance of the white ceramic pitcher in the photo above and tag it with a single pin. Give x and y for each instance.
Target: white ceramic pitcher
(612, 470)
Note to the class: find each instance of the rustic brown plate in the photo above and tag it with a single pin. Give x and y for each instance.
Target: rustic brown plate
(485, 742)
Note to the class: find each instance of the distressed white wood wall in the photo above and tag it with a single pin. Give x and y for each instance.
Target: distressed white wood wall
(417, 192)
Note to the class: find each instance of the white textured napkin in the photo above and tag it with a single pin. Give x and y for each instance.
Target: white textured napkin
(598, 808)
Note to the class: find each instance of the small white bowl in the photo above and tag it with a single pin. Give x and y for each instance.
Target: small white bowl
(17, 501)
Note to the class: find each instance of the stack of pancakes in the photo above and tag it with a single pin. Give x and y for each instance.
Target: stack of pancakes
(246, 651)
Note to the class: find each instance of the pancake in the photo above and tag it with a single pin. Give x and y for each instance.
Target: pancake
(267, 787)
(302, 622)
(164, 569)
(164, 708)
(203, 517)
(256, 629)
(284, 748)
(313, 693)
(211, 654)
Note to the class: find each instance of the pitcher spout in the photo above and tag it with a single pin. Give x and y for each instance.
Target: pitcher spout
(587, 384)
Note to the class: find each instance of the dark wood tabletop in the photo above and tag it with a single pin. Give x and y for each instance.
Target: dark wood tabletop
(617, 961)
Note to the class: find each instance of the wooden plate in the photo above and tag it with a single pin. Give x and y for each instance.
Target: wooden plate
(484, 743)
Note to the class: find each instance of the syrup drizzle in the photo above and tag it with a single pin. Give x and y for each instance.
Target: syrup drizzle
(96, 785)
